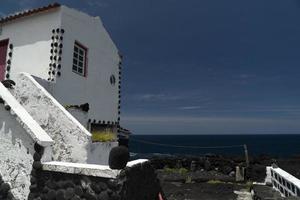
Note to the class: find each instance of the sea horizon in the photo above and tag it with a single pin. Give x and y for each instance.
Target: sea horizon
(276, 145)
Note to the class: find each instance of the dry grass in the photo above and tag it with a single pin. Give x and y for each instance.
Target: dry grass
(182, 170)
(103, 136)
(215, 182)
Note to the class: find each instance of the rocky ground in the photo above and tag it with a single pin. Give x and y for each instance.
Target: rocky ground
(198, 185)
(213, 177)
(198, 191)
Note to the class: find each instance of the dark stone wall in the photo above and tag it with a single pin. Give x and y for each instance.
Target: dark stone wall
(139, 182)
(61, 186)
(5, 193)
(136, 183)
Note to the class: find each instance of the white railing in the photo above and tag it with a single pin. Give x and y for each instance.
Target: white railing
(283, 182)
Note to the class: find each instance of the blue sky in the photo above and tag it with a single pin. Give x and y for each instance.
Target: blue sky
(202, 66)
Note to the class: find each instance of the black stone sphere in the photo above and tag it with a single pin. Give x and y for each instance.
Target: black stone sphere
(8, 83)
(118, 157)
(4, 188)
(38, 148)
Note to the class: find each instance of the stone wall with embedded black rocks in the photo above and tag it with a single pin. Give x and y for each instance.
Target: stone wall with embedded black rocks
(5, 193)
(133, 183)
(61, 186)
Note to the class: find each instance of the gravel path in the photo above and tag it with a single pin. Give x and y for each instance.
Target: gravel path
(203, 191)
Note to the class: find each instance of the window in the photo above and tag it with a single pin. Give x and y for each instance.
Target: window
(79, 59)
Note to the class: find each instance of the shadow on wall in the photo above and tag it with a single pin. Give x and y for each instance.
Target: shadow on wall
(10, 128)
(6, 131)
(98, 152)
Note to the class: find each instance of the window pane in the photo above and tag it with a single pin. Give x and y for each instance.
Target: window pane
(79, 59)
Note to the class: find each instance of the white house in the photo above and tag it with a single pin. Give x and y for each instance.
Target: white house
(71, 55)
(59, 82)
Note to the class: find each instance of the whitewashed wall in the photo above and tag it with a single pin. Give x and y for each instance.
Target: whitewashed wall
(18, 134)
(31, 37)
(16, 154)
(72, 142)
(103, 60)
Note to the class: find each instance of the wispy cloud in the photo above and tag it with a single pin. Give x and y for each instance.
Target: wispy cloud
(97, 3)
(209, 125)
(157, 97)
(190, 107)
(240, 110)
(246, 76)
(188, 119)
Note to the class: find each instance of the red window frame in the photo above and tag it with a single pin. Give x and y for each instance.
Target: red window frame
(4, 42)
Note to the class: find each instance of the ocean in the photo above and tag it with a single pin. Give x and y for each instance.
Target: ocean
(273, 145)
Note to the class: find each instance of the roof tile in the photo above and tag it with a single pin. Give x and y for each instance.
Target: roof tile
(28, 12)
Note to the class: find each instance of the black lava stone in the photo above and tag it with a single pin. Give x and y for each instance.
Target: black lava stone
(118, 157)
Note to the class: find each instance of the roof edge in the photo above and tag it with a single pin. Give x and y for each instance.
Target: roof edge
(28, 13)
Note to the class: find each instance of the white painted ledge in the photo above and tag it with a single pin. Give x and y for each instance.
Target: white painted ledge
(135, 162)
(87, 169)
(23, 117)
(81, 169)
